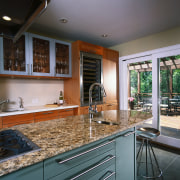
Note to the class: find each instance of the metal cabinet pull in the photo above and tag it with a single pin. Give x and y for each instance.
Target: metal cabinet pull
(129, 133)
(68, 110)
(28, 70)
(90, 169)
(126, 134)
(112, 173)
(48, 113)
(85, 152)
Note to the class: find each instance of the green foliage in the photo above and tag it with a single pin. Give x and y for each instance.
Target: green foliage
(164, 81)
(134, 82)
(176, 81)
(146, 82)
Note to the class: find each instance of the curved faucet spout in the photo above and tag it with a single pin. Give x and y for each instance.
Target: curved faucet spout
(103, 93)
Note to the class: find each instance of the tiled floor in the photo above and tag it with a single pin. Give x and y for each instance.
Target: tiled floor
(169, 162)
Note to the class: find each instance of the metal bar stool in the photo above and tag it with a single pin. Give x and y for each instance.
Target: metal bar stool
(152, 169)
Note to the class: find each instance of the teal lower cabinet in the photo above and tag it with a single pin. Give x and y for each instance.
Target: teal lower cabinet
(84, 163)
(112, 158)
(125, 155)
(34, 172)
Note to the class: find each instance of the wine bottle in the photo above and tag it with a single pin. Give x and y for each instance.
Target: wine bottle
(61, 98)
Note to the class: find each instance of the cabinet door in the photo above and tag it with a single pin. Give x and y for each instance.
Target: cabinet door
(91, 48)
(66, 112)
(125, 156)
(0, 122)
(8, 121)
(41, 56)
(46, 115)
(28, 173)
(62, 59)
(109, 106)
(14, 57)
(110, 74)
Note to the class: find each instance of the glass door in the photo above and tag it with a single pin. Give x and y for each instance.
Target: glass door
(62, 59)
(169, 97)
(140, 87)
(160, 81)
(14, 56)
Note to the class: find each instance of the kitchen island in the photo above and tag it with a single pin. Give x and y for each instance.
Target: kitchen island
(61, 139)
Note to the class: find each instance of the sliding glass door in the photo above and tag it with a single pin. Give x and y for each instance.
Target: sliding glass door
(152, 83)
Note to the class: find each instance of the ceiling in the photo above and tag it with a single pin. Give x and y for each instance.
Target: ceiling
(122, 20)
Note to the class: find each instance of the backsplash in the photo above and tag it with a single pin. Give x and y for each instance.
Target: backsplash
(33, 92)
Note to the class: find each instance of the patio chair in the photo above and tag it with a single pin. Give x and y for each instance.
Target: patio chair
(165, 105)
(147, 104)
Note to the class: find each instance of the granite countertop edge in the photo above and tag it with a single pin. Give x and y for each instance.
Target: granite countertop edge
(77, 137)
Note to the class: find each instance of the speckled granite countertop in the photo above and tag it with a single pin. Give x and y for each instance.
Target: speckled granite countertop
(60, 135)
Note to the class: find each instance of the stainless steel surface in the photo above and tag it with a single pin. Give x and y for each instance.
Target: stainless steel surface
(91, 59)
(13, 144)
(90, 169)
(4, 101)
(107, 177)
(129, 133)
(85, 152)
(9, 110)
(148, 132)
(22, 13)
(103, 93)
(106, 122)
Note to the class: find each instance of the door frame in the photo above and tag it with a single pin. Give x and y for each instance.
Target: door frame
(153, 55)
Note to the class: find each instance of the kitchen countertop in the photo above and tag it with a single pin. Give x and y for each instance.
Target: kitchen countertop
(32, 109)
(60, 135)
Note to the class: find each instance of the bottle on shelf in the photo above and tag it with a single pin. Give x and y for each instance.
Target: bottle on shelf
(61, 98)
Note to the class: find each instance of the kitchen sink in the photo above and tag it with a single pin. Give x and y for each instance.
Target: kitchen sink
(9, 110)
(105, 122)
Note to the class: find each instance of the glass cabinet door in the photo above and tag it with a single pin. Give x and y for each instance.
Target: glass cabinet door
(41, 56)
(14, 56)
(62, 59)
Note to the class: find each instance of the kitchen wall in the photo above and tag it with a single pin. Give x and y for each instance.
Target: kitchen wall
(34, 92)
(154, 41)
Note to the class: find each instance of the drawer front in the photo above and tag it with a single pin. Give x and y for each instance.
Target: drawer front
(9, 121)
(66, 112)
(89, 168)
(46, 115)
(0, 122)
(105, 174)
(74, 158)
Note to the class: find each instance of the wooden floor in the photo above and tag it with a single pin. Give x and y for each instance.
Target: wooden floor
(170, 121)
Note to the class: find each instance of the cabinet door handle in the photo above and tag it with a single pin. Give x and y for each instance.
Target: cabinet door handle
(28, 70)
(107, 177)
(68, 110)
(94, 167)
(129, 133)
(85, 152)
(48, 113)
(126, 134)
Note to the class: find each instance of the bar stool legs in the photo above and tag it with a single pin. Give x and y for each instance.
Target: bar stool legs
(152, 169)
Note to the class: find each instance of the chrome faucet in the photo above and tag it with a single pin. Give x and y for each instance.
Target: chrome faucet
(103, 93)
(4, 101)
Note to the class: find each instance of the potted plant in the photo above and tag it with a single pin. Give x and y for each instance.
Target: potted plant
(131, 102)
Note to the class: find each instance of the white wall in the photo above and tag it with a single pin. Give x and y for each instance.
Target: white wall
(159, 40)
(34, 92)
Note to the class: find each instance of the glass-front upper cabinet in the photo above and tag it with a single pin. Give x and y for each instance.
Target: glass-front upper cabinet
(40, 55)
(62, 59)
(14, 56)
